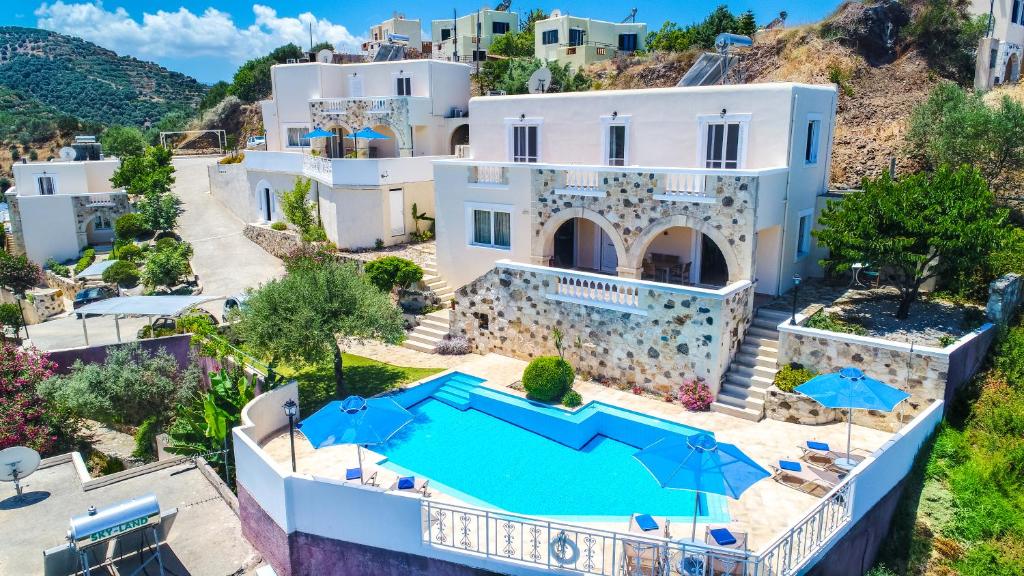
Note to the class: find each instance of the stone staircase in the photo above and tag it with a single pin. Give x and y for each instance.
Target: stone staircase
(435, 282)
(435, 325)
(753, 368)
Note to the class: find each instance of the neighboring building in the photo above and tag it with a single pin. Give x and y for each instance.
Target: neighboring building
(364, 189)
(1000, 51)
(470, 36)
(396, 30)
(642, 232)
(582, 41)
(59, 208)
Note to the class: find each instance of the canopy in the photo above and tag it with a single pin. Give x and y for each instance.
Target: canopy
(319, 133)
(96, 268)
(701, 464)
(144, 305)
(368, 134)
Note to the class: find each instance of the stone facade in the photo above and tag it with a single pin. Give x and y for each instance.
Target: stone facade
(1004, 296)
(632, 208)
(86, 208)
(279, 243)
(671, 336)
(797, 408)
(358, 113)
(48, 302)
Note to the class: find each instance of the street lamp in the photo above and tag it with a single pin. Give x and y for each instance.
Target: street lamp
(291, 409)
(796, 290)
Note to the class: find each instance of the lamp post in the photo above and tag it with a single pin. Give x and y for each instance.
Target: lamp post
(291, 408)
(796, 290)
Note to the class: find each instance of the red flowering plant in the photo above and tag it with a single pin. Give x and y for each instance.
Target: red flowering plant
(24, 417)
(695, 395)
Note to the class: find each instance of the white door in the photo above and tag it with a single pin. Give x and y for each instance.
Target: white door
(609, 260)
(396, 201)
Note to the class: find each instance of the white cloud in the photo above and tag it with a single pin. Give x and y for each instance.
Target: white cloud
(184, 34)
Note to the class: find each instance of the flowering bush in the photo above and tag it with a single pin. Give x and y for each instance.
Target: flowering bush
(695, 395)
(24, 417)
(453, 345)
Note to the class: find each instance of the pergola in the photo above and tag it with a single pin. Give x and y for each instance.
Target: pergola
(149, 306)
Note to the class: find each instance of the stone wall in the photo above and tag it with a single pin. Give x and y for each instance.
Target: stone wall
(356, 114)
(1004, 296)
(674, 335)
(48, 302)
(796, 408)
(88, 207)
(280, 243)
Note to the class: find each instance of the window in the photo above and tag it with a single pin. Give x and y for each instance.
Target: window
(803, 235)
(616, 145)
(297, 136)
(549, 37)
(403, 86)
(491, 228)
(1015, 14)
(813, 130)
(627, 42)
(525, 143)
(102, 223)
(479, 55)
(446, 33)
(576, 36)
(499, 28)
(45, 185)
(724, 141)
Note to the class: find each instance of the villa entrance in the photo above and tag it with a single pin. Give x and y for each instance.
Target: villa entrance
(337, 145)
(383, 148)
(100, 230)
(685, 256)
(580, 244)
(460, 137)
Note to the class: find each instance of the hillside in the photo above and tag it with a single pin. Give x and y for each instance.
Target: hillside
(81, 79)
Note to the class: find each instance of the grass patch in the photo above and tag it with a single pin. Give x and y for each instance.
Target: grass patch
(834, 323)
(363, 376)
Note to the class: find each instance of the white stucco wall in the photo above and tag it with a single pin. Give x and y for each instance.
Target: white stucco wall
(465, 30)
(48, 223)
(595, 32)
(1003, 29)
(69, 177)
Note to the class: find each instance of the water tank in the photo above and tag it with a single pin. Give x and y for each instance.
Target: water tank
(101, 525)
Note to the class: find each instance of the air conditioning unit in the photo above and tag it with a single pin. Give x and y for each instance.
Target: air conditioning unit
(291, 61)
(456, 112)
(463, 151)
(496, 93)
(304, 60)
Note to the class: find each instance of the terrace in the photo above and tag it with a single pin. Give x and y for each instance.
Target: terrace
(786, 528)
(343, 171)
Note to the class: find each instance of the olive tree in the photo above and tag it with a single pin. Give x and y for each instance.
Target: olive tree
(923, 226)
(300, 317)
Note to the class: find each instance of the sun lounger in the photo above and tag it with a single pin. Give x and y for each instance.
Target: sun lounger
(820, 454)
(411, 484)
(645, 524)
(644, 557)
(367, 475)
(804, 477)
(725, 563)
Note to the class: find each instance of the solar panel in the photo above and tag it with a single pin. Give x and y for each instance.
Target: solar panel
(707, 70)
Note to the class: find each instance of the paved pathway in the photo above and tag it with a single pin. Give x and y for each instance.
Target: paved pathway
(227, 262)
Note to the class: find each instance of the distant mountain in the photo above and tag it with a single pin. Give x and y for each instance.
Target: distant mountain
(78, 78)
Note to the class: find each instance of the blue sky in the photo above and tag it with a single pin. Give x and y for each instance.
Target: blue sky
(208, 39)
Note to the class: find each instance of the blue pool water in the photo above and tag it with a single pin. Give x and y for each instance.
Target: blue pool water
(533, 468)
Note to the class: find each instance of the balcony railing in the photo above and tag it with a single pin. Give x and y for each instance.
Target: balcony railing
(375, 105)
(790, 551)
(317, 167)
(488, 175)
(102, 199)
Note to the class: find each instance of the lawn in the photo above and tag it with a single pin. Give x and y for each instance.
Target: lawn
(363, 376)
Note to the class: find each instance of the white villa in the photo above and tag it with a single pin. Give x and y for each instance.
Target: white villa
(396, 30)
(467, 38)
(364, 189)
(58, 208)
(582, 41)
(1000, 52)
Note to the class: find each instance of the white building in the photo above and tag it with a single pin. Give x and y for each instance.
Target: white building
(642, 221)
(1001, 50)
(396, 30)
(467, 38)
(364, 189)
(59, 208)
(582, 41)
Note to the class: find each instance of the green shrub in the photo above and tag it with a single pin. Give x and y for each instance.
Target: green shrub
(145, 438)
(57, 268)
(10, 315)
(130, 252)
(833, 323)
(130, 226)
(791, 376)
(88, 257)
(547, 378)
(390, 271)
(314, 234)
(572, 399)
(166, 243)
(122, 273)
(100, 464)
(279, 226)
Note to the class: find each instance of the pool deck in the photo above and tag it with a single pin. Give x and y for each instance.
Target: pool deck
(764, 511)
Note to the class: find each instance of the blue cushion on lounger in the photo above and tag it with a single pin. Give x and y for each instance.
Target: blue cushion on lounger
(645, 522)
(821, 446)
(723, 537)
(790, 465)
(353, 474)
(407, 483)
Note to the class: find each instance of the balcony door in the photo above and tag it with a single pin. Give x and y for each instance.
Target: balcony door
(609, 260)
(724, 141)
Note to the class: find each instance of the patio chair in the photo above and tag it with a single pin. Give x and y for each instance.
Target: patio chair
(648, 269)
(411, 484)
(366, 475)
(642, 558)
(804, 477)
(726, 563)
(820, 454)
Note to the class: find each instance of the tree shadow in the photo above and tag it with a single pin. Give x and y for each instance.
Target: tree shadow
(363, 377)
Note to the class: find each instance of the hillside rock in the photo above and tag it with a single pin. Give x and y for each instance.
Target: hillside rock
(872, 30)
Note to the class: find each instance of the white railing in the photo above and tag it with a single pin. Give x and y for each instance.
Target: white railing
(604, 291)
(568, 548)
(684, 187)
(491, 175)
(317, 166)
(104, 199)
(790, 551)
(582, 182)
(376, 104)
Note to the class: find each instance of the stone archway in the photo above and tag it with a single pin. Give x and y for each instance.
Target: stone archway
(544, 242)
(1012, 72)
(737, 270)
(264, 194)
(385, 148)
(338, 146)
(458, 137)
(99, 228)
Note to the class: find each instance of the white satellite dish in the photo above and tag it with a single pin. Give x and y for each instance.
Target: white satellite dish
(16, 463)
(540, 80)
(325, 56)
(67, 153)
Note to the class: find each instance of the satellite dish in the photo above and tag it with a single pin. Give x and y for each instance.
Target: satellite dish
(16, 463)
(555, 13)
(540, 80)
(325, 56)
(67, 153)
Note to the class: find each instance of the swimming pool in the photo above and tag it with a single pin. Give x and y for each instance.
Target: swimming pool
(498, 450)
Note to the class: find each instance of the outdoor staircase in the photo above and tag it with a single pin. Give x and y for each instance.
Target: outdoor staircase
(753, 368)
(435, 282)
(431, 330)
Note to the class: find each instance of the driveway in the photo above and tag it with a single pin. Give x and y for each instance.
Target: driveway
(227, 262)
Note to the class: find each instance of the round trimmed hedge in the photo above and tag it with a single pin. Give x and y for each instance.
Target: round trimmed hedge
(547, 378)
